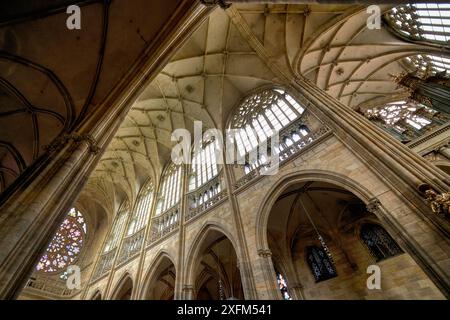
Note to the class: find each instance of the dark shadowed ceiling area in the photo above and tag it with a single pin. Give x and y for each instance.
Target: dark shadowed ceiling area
(52, 77)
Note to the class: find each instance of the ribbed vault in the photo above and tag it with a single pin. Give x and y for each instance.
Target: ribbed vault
(222, 61)
(53, 78)
(202, 82)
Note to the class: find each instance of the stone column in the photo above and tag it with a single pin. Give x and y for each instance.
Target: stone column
(268, 271)
(188, 292)
(31, 215)
(180, 273)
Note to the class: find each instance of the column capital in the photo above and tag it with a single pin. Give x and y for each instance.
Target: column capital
(188, 287)
(264, 253)
(77, 138)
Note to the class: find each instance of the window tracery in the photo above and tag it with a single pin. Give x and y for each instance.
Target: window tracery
(422, 21)
(204, 165)
(170, 189)
(379, 242)
(320, 264)
(142, 209)
(118, 228)
(428, 63)
(261, 115)
(66, 245)
(406, 120)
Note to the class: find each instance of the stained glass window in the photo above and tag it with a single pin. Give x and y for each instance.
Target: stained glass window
(422, 21)
(405, 120)
(379, 242)
(66, 245)
(428, 63)
(282, 285)
(320, 264)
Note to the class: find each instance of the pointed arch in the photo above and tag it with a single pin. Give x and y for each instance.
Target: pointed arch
(124, 288)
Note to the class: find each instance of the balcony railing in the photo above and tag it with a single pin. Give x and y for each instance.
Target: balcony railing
(131, 245)
(206, 196)
(52, 286)
(292, 140)
(165, 223)
(105, 264)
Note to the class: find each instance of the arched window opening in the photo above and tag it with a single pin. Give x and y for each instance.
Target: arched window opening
(283, 286)
(406, 120)
(136, 228)
(118, 227)
(112, 242)
(142, 209)
(205, 179)
(379, 242)
(259, 117)
(170, 189)
(66, 245)
(422, 21)
(167, 210)
(204, 165)
(428, 63)
(320, 264)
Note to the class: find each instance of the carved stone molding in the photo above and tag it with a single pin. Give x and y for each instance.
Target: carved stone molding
(374, 205)
(297, 286)
(212, 3)
(264, 253)
(188, 287)
(62, 140)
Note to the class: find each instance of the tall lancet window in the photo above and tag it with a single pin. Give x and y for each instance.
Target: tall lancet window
(379, 242)
(118, 227)
(422, 21)
(406, 120)
(66, 245)
(321, 266)
(170, 189)
(262, 114)
(142, 209)
(204, 165)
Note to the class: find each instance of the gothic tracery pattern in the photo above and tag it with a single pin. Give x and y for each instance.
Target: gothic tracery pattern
(321, 265)
(422, 21)
(66, 245)
(427, 63)
(379, 242)
(260, 116)
(405, 120)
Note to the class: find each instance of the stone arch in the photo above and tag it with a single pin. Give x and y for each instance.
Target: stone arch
(124, 288)
(152, 273)
(372, 206)
(199, 244)
(97, 295)
(298, 177)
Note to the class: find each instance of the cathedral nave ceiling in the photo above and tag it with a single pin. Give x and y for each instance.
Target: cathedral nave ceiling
(205, 79)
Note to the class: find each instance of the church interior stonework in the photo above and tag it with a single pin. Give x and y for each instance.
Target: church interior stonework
(224, 150)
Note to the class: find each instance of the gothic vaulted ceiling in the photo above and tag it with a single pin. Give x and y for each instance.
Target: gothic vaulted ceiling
(233, 52)
(52, 77)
